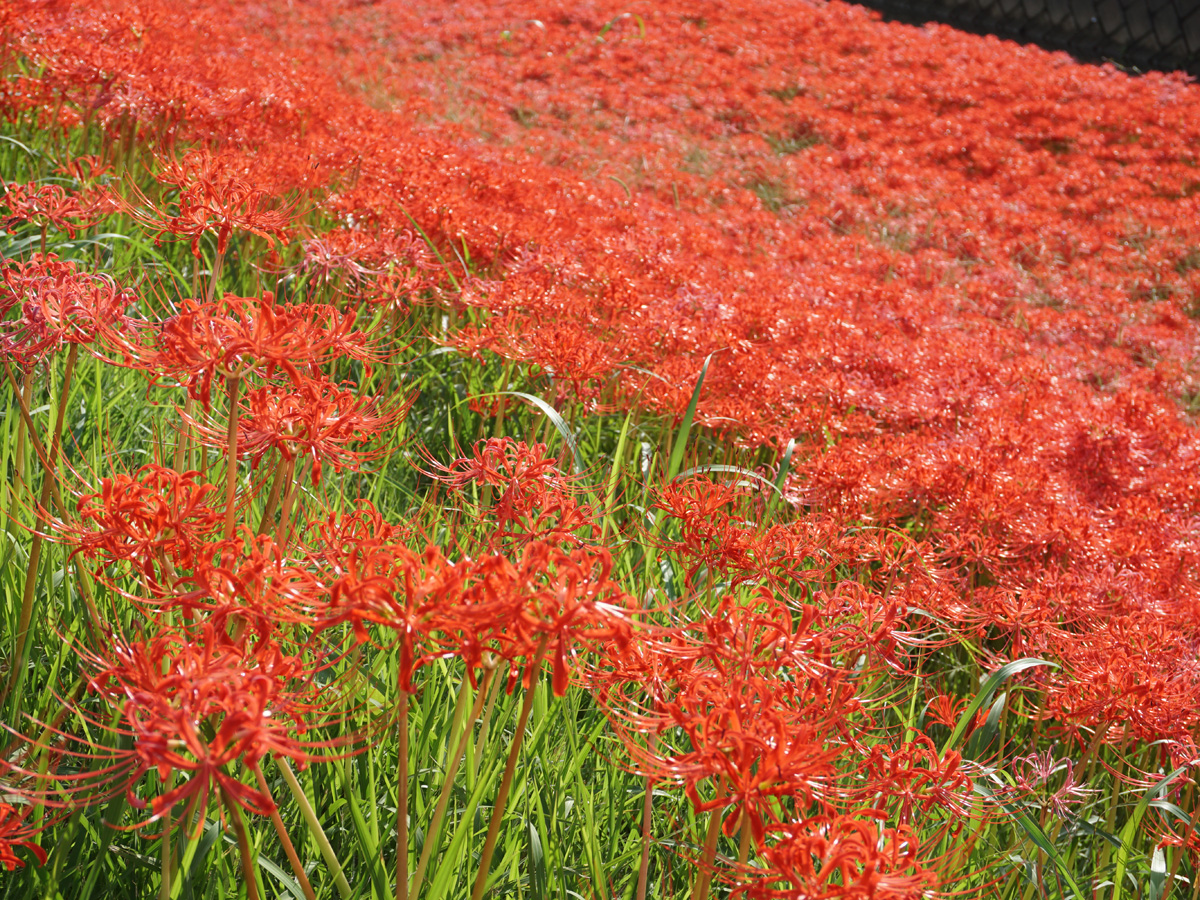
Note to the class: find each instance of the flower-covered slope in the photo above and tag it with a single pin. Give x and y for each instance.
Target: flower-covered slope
(964, 275)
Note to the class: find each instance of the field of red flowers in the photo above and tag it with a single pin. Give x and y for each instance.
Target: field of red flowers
(594, 450)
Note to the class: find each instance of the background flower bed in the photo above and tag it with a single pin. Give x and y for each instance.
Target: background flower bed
(945, 287)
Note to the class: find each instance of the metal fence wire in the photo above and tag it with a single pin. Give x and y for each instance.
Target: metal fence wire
(1138, 34)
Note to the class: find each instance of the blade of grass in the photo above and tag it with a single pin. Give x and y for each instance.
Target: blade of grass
(727, 470)
(685, 427)
(559, 423)
(369, 848)
(985, 694)
(1039, 838)
(1131, 827)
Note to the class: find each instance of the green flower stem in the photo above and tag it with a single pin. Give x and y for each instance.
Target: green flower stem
(744, 838)
(705, 870)
(49, 486)
(510, 768)
(283, 533)
(485, 726)
(245, 851)
(647, 828)
(185, 430)
(285, 838)
(443, 800)
(314, 827)
(24, 395)
(283, 475)
(164, 887)
(402, 802)
(234, 383)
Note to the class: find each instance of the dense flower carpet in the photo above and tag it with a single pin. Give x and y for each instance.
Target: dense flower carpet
(812, 400)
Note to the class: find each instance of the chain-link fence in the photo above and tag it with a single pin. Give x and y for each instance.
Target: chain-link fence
(1143, 34)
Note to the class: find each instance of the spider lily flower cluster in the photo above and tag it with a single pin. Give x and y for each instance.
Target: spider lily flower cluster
(948, 294)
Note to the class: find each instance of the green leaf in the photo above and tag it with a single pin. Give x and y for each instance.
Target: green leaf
(1131, 826)
(1038, 837)
(287, 880)
(537, 864)
(785, 465)
(985, 694)
(982, 738)
(729, 470)
(685, 426)
(432, 246)
(556, 420)
(1169, 807)
(109, 823)
(362, 831)
(614, 475)
(27, 149)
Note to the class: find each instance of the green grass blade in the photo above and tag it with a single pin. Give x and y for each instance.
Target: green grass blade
(362, 831)
(785, 466)
(1131, 826)
(289, 883)
(985, 694)
(537, 864)
(559, 423)
(728, 470)
(614, 476)
(1039, 837)
(685, 427)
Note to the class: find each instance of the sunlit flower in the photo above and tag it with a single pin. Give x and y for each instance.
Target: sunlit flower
(16, 833)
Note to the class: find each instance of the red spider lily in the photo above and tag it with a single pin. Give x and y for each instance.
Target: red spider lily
(911, 779)
(831, 858)
(241, 336)
(763, 636)
(718, 536)
(253, 584)
(216, 194)
(711, 536)
(59, 304)
(398, 287)
(378, 267)
(14, 833)
(337, 252)
(980, 325)
(196, 705)
(738, 642)
(578, 363)
(521, 470)
(945, 710)
(634, 679)
(762, 735)
(515, 610)
(46, 204)
(1032, 775)
(378, 580)
(89, 170)
(568, 599)
(342, 531)
(535, 498)
(158, 519)
(760, 741)
(544, 600)
(316, 418)
(1136, 672)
